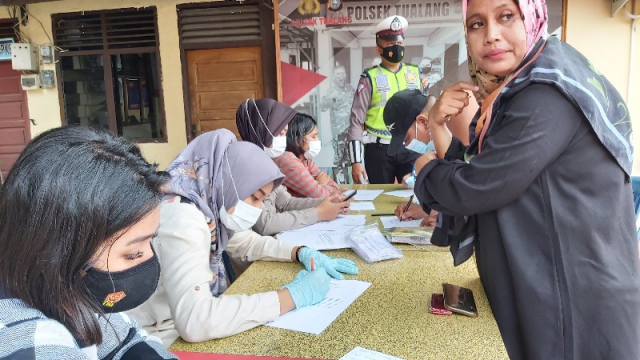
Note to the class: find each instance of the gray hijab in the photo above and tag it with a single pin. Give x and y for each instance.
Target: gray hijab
(213, 159)
(247, 168)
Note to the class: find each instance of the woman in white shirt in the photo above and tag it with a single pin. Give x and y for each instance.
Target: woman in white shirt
(218, 187)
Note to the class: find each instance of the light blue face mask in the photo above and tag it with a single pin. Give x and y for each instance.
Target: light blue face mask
(418, 146)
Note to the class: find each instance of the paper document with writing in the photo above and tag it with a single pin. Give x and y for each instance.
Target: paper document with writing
(315, 318)
(400, 193)
(319, 240)
(341, 223)
(389, 222)
(362, 206)
(365, 354)
(367, 195)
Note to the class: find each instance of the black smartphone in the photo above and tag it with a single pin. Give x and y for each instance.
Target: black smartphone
(350, 195)
(459, 300)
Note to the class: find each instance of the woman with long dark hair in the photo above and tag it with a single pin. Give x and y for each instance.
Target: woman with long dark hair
(77, 214)
(302, 176)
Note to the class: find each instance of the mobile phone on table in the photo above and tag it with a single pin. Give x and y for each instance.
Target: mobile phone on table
(350, 195)
(437, 305)
(459, 300)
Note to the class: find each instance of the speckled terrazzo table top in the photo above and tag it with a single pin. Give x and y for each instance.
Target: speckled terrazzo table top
(392, 316)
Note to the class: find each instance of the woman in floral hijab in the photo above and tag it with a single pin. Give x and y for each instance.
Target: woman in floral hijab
(542, 193)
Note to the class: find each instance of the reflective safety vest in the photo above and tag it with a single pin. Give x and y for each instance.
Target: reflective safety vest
(384, 84)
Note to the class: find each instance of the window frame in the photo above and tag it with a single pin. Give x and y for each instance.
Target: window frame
(106, 54)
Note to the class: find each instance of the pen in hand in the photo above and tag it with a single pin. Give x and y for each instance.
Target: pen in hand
(406, 207)
(313, 265)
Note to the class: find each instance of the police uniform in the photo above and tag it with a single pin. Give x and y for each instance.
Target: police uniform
(377, 84)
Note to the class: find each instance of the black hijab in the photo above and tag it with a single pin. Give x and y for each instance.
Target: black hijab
(259, 121)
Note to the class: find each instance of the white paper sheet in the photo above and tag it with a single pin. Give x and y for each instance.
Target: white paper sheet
(389, 222)
(362, 206)
(319, 240)
(367, 195)
(365, 354)
(341, 223)
(315, 318)
(400, 193)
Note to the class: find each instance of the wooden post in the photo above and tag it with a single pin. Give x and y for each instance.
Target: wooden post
(276, 25)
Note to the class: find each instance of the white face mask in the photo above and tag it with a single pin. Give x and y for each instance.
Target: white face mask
(278, 146)
(243, 218)
(418, 146)
(314, 148)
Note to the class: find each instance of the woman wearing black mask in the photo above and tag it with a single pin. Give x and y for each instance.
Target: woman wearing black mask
(77, 214)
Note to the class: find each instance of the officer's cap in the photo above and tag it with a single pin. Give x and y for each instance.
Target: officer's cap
(391, 28)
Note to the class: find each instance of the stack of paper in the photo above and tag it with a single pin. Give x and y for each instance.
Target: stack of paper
(414, 236)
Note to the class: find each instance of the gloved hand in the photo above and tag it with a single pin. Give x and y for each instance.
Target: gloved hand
(309, 287)
(333, 266)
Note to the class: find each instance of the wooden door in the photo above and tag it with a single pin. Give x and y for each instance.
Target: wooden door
(219, 80)
(14, 117)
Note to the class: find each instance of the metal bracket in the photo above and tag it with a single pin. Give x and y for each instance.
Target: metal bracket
(617, 5)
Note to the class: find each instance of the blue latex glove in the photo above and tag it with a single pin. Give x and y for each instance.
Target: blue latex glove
(309, 287)
(333, 266)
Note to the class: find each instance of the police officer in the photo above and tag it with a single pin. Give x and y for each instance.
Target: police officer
(377, 84)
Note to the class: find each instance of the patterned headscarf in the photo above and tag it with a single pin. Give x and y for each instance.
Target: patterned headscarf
(534, 15)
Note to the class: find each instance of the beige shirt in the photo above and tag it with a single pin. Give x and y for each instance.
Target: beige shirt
(281, 212)
(183, 305)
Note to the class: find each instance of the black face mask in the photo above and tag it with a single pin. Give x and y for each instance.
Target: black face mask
(393, 53)
(124, 290)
